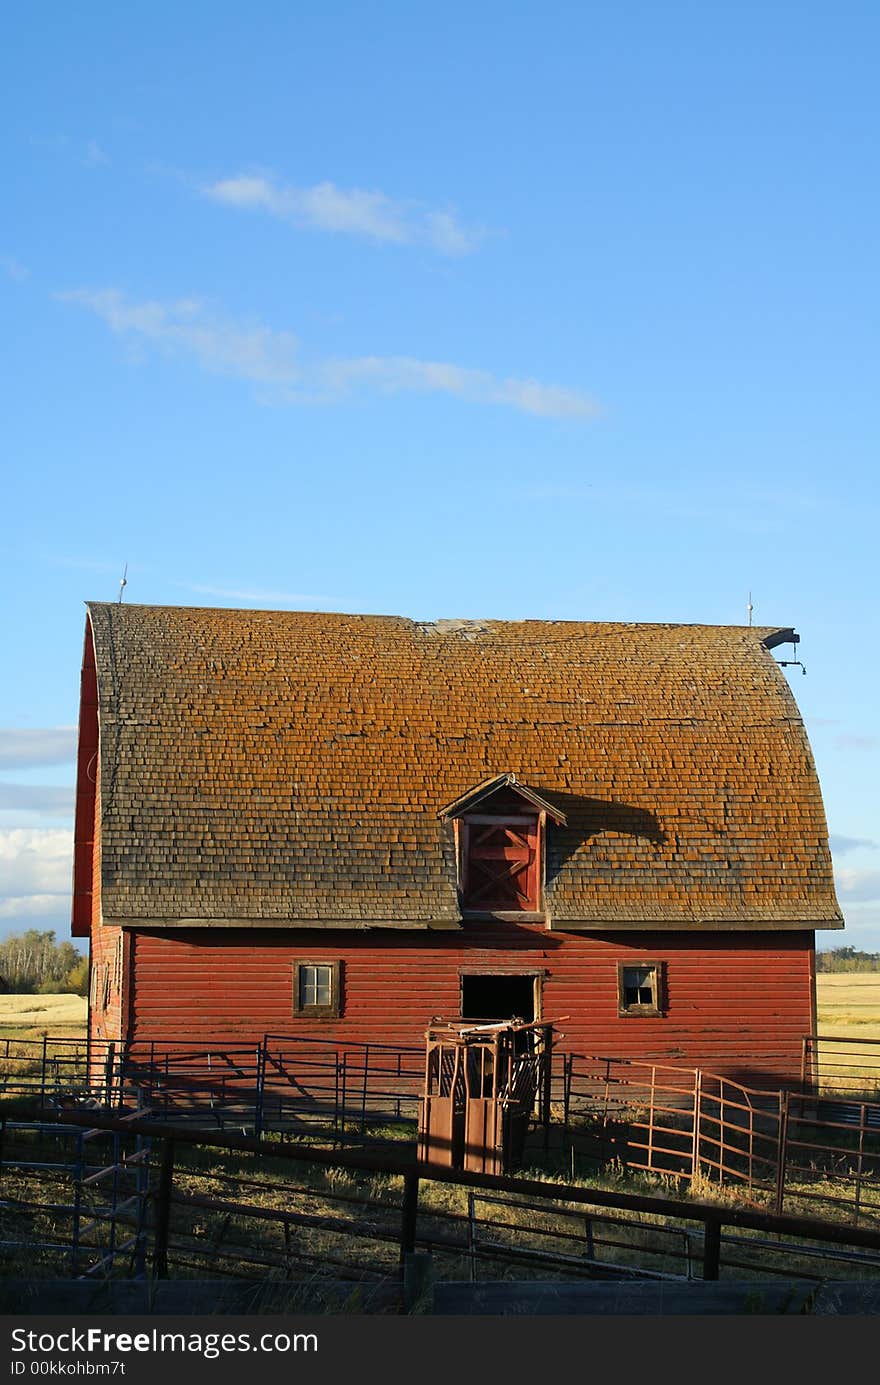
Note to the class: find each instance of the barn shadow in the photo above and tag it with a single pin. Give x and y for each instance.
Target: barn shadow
(587, 818)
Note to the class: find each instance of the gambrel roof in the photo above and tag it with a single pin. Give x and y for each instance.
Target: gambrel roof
(279, 767)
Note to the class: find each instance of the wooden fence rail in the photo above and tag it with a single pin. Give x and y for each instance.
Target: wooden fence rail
(796, 1235)
(802, 1147)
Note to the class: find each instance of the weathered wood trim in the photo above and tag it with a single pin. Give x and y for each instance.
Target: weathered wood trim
(689, 925)
(349, 925)
(596, 925)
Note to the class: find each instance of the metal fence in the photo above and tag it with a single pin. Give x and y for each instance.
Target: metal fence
(214, 1205)
(841, 1067)
(811, 1147)
(73, 1197)
(794, 1149)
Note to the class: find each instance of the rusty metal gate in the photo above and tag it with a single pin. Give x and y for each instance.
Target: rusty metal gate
(482, 1082)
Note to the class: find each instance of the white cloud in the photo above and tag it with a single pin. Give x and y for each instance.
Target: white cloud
(860, 885)
(35, 861)
(347, 211)
(25, 748)
(187, 329)
(35, 906)
(393, 374)
(862, 929)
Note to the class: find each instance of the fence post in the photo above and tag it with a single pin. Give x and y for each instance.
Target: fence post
(863, 1119)
(722, 1132)
(695, 1149)
(163, 1211)
(547, 1075)
(415, 1270)
(79, 1172)
(364, 1093)
(409, 1211)
(711, 1247)
(341, 1130)
(781, 1151)
(108, 1073)
(260, 1089)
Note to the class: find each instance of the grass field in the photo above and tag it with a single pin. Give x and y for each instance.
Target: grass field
(31, 1016)
(849, 1004)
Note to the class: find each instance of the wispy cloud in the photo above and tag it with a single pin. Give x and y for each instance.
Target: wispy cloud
(87, 152)
(22, 748)
(347, 211)
(14, 269)
(395, 374)
(94, 155)
(261, 355)
(841, 845)
(856, 742)
(249, 594)
(184, 327)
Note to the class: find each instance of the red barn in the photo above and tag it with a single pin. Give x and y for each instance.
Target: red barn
(345, 825)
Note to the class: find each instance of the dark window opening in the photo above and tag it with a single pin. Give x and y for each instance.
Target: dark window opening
(498, 997)
(640, 989)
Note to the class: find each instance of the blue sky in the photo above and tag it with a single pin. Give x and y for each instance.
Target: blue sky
(484, 310)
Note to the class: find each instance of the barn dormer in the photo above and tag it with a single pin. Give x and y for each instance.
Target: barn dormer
(500, 835)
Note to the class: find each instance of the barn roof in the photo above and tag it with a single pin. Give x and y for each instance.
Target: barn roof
(281, 767)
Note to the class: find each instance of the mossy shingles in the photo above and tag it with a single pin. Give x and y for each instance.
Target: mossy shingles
(289, 766)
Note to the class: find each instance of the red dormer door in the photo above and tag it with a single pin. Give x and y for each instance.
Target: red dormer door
(500, 860)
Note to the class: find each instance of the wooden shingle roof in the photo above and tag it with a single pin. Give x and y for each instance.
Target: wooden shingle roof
(286, 767)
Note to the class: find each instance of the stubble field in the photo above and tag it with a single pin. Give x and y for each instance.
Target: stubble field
(849, 1004)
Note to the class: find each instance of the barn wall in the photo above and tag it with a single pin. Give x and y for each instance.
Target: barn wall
(106, 991)
(736, 1002)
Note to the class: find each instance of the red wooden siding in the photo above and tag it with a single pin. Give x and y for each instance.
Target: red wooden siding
(735, 1002)
(107, 982)
(500, 862)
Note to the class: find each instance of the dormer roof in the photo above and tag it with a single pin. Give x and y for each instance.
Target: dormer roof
(482, 794)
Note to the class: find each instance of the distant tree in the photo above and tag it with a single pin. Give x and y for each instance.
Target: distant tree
(847, 959)
(33, 961)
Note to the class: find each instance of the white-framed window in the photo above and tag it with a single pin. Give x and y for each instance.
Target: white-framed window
(317, 989)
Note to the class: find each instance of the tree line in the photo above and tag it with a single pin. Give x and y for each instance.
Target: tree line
(33, 963)
(847, 959)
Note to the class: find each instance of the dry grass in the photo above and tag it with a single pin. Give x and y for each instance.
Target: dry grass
(31, 1016)
(849, 1004)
